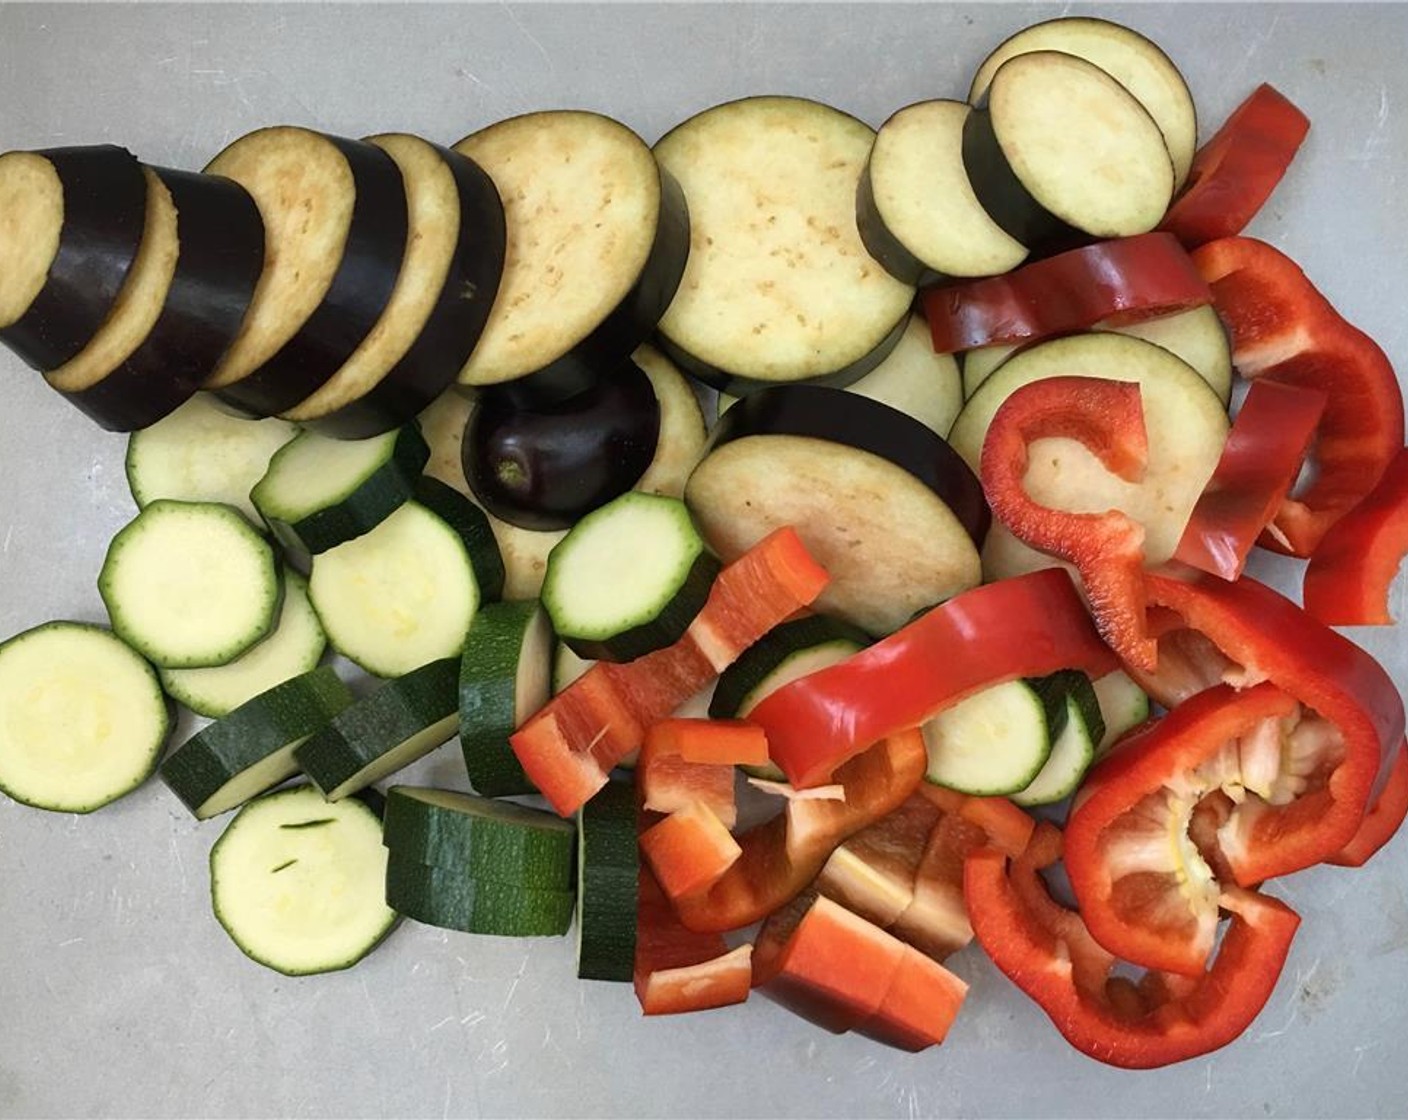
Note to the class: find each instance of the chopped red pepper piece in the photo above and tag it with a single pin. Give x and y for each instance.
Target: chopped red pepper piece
(1047, 951)
(678, 970)
(689, 850)
(1260, 462)
(1349, 575)
(668, 784)
(1106, 548)
(936, 921)
(1110, 282)
(1024, 627)
(731, 742)
(1235, 172)
(874, 872)
(1283, 329)
(1005, 826)
(1384, 818)
(1145, 892)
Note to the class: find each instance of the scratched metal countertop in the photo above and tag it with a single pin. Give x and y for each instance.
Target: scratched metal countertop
(119, 993)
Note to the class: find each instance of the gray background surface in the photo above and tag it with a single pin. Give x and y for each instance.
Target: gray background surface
(120, 995)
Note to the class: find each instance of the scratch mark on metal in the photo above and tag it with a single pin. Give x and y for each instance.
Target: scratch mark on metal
(513, 987)
(9, 536)
(180, 863)
(449, 1093)
(442, 1022)
(70, 941)
(523, 30)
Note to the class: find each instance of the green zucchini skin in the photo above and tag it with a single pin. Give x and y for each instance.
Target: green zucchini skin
(454, 899)
(608, 863)
(666, 628)
(490, 704)
(760, 660)
(472, 526)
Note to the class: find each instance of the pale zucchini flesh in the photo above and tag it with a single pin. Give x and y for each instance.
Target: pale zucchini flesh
(993, 743)
(1073, 747)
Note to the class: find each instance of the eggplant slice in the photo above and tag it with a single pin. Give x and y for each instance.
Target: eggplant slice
(916, 210)
(1059, 152)
(885, 505)
(335, 221)
(779, 286)
(682, 429)
(71, 222)
(439, 306)
(597, 241)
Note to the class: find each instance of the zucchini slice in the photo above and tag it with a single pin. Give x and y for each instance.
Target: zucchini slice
(73, 223)
(405, 593)
(779, 286)
(335, 226)
(401, 722)
(320, 492)
(995, 742)
(298, 884)
(608, 876)
(505, 677)
(628, 578)
(84, 721)
(190, 584)
(1073, 747)
(567, 667)
(200, 453)
(495, 840)
(437, 310)
(1123, 705)
(451, 898)
(294, 647)
(251, 749)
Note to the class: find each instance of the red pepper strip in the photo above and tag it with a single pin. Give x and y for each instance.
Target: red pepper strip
(1283, 329)
(1024, 627)
(731, 742)
(1121, 281)
(1348, 578)
(1047, 951)
(1006, 826)
(677, 970)
(1145, 893)
(1383, 819)
(873, 873)
(783, 855)
(667, 783)
(1260, 462)
(1235, 172)
(1246, 633)
(570, 746)
(689, 850)
(1106, 548)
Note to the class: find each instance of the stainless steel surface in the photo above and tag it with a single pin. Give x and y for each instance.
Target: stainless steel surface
(120, 995)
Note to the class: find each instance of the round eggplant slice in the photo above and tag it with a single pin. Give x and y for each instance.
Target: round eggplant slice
(1058, 152)
(779, 286)
(884, 504)
(71, 222)
(545, 468)
(597, 241)
(682, 428)
(335, 221)
(184, 299)
(1128, 57)
(915, 208)
(438, 308)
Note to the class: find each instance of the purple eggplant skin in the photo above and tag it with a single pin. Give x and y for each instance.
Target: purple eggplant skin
(545, 468)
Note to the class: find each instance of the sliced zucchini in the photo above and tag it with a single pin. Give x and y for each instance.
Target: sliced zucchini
(82, 718)
(1123, 705)
(1073, 748)
(567, 667)
(200, 453)
(402, 721)
(628, 578)
(298, 883)
(608, 873)
(487, 839)
(294, 647)
(452, 898)
(996, 741)
(319, 493)
(189, 584)
(251, 749)
(405, 593)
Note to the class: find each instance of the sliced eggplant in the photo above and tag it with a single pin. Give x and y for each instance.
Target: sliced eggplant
(884, 504)
(779, 286)
(597, 241)
(71, 222)
(1128, 57)
(335, 223)
(916, 210)
(682, 429)
(437, 311)
(1059, 152)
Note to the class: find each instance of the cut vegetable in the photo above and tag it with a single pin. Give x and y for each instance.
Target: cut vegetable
(996, 741)
(190, 585)
(731, 742)
(1123, 705)
(84, 721)
(689, 851)
(873, 873)
(608, 870)
(452, 898)
(678, 970)
(567, 667)
(1073, 746)
(668, 783)
(682, 429)
(251, 749)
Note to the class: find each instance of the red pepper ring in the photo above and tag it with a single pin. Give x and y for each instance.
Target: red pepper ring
(1047, 952)
(1106, 548)
(1384, 818)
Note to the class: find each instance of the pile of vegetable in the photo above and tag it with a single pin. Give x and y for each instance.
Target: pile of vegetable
(949, 596)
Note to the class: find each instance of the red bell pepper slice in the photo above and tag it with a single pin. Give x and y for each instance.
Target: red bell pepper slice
(678, 970)
(1114, 282)
(1235, 172)
(1348, 578)
(1024, 627)
(1384, 818)
(1049, 954)
(1145, 892)
(689, 850)
(1283, 329)
(668, 784)
(1004, 825)
(730, 742)
(874, 872)
(1260, 462)
(1242, 632)
(1106, 548)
